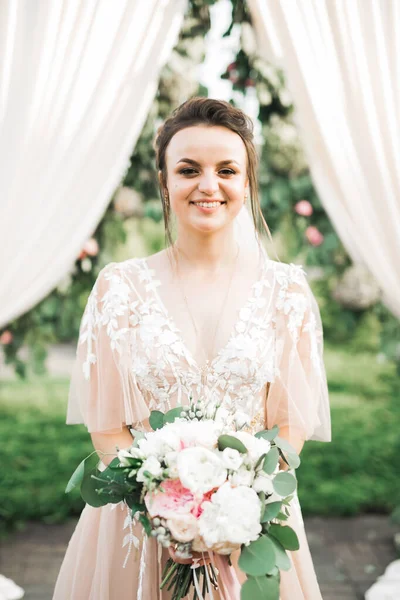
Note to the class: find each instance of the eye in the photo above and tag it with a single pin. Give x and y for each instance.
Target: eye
(187, 171)
(228, 172)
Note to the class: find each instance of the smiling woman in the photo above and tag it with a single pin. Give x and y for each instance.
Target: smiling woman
(210, 318)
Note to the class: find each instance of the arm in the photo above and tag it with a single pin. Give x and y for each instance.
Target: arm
(296, 440)
(108, 441)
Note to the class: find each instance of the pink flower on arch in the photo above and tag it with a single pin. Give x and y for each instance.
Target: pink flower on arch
(6, 338)
(91, 247)
(304, 208)
(314, 236)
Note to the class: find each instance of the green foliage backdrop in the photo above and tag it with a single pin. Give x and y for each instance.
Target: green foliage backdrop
(301, 229)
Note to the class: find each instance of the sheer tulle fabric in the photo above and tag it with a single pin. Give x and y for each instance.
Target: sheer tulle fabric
(132, 358)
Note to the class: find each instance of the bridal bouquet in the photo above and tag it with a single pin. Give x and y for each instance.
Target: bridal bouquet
(200, 483)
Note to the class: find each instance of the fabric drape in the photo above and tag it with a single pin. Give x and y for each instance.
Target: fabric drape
(342, 61)
(76, 83)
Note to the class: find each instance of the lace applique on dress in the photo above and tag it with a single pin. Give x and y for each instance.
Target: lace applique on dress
(131, 313)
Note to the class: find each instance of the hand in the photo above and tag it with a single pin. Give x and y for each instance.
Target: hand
(188, 561)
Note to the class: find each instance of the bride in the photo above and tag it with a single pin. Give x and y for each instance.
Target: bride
(211, 316)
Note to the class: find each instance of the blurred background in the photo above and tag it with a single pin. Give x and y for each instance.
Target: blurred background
(83, 87)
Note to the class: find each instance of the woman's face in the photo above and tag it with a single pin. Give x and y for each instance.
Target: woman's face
(206, 177)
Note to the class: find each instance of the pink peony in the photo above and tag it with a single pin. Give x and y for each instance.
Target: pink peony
(304, 208)
(172, 500)
(314, 236)
(6, 338)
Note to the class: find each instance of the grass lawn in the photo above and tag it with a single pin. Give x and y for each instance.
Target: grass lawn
(355, 473)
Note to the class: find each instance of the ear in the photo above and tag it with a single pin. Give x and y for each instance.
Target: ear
(247, 188)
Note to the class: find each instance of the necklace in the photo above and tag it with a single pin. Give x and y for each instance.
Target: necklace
(204, 370)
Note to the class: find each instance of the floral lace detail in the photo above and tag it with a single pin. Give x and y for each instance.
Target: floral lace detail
(130, 311)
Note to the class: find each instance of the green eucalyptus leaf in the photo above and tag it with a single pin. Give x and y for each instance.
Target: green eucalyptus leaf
(281, 516)
(281, 558)
(270, 461)
(284, 445)
(172, 414)
(89, 493)
(293, 460)
(156, 419)
(288, 500)
(271, 510)
(261, 588)
(84, 467)
(258, 558)
(284, 483)
(268, 434)
(286, 536)
(230, 441)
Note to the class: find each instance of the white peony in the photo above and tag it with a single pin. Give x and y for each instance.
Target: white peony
(255, 446)
(200, 470)
(231, 459)
(231, 517)
(152, 465)
(196, 433)
(243, 476)
(263, 483)
(183, 528)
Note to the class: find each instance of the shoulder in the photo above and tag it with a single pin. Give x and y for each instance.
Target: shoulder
(115, 283)
(289, 275)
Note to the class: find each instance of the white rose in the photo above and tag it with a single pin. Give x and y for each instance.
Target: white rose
(263, 483)
(152, 465)
(200, 470)
(158, 443)
(241, 419)
(183, 528)
(255, 446)
(232, 459)
(231, 517)
(136, 452)
(243, 476)
(125, 458)
(222, 415)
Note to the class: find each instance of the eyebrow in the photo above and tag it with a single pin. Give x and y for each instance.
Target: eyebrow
(194, 162)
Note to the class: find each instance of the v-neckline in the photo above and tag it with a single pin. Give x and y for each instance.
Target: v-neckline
(152, 278)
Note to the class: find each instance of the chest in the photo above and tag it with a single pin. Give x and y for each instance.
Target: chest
(167, 362)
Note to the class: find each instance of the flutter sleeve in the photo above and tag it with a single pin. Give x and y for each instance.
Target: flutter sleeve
(103, 392)
(298, 396)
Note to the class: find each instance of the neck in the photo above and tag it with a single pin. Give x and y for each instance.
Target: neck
(208, 252)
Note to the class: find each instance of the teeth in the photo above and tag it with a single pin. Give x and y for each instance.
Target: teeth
(209, 204)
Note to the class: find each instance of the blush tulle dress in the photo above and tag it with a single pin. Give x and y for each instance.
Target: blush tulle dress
(133, 358)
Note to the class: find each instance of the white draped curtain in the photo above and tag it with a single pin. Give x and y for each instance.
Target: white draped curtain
(342, 60)
(77, 79)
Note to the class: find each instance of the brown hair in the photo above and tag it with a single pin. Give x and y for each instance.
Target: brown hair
(210, 112)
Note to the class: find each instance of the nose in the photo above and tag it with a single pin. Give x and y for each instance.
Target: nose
(208, 183)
